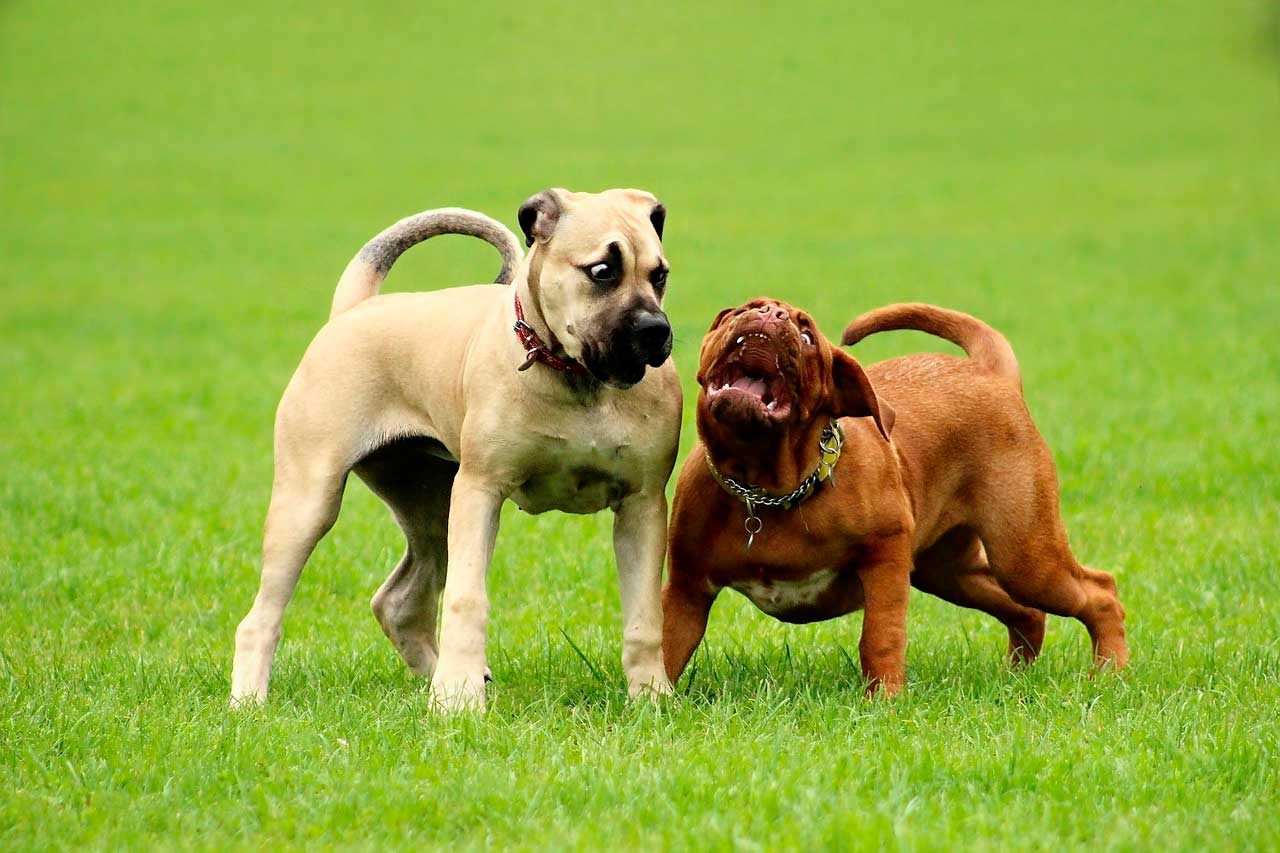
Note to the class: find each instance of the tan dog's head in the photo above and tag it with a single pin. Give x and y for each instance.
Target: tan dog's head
(765, 368)
(597, 270)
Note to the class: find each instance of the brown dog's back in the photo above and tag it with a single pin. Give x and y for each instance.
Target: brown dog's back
(985, 346)
(963, 432)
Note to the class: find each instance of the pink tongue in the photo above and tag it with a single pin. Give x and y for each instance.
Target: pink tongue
(751, 385)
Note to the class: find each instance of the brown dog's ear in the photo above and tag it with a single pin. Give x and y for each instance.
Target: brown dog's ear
(720, 318)
(538, 216)
(706, 341)
(853, 396)
(658, 216)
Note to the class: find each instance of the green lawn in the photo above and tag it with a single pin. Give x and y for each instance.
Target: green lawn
(181, 186)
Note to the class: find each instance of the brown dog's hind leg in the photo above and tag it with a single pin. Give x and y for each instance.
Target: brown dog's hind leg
(1033, 561)
(955, 569)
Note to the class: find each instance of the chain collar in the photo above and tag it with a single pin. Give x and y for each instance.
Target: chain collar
(830, 444)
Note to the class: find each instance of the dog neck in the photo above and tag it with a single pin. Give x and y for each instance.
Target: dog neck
(528, 292)
(528, 310)
(774, 460)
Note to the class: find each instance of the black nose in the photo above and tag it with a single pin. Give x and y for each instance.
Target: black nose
(652, 335)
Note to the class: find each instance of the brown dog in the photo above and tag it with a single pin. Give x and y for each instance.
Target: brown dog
(797, 497)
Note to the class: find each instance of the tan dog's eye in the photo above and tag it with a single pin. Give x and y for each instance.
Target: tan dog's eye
(807, 338)
(602, 273)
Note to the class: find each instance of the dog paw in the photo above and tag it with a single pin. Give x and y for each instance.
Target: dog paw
(652, 688)
(247, 700)
(457, 695)
(884, 688)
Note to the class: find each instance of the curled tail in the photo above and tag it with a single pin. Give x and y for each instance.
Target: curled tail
(363, 276)
(984, 344)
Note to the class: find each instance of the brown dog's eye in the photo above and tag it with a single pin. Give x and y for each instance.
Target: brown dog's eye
(807, 338)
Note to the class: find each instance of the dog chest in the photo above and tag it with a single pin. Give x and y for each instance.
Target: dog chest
(582, 477)
(823, 594)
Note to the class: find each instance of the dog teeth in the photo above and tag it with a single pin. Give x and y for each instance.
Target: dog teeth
(773, 404)
(741, 339)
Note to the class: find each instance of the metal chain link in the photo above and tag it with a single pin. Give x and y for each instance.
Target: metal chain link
(830, 442)
(754, 495)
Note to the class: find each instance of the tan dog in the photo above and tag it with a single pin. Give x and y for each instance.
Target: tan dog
(446, 404)
(796, 461)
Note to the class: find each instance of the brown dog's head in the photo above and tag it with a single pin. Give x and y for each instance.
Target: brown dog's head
(765, 368)
(598, 272)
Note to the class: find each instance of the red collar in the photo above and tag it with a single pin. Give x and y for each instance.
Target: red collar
(536, 350)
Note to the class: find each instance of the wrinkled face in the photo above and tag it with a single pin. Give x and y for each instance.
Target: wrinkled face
(764, 365)
(599, 274)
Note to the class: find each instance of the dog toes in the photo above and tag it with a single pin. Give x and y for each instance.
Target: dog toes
(248, 700)
(652, 689)
(457, 694)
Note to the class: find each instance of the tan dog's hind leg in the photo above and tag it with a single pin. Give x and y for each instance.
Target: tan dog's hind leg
(407, 605)
(416, 486)
(302, 511)
(955, 569)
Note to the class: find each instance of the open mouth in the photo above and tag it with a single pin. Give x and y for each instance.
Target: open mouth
(750, 381)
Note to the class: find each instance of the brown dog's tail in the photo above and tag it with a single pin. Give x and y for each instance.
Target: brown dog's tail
(364, 275)
(984, 344)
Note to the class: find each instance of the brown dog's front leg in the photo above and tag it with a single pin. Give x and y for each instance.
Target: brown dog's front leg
(685, 610)
(886, 586)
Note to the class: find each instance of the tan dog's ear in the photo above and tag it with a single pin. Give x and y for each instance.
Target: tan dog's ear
(657, 210)
(658, 216)
(538, 216)
(853, 396)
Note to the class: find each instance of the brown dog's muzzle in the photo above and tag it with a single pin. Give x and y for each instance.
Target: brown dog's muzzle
(752, 379)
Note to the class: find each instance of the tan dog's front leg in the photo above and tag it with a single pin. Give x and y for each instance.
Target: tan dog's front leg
(886, 586)
(458, 681)
(639, 546)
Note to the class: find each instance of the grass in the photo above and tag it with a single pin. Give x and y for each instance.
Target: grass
(182, 185)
